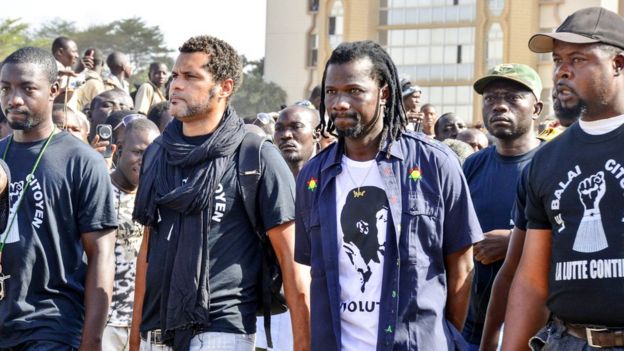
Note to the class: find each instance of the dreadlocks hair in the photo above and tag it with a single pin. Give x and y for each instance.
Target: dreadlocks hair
(224, 62)
(384, 72)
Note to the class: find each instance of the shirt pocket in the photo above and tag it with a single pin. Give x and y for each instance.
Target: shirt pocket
(421, 219)
(317, 268)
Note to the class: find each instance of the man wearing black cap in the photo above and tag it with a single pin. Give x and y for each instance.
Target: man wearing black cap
(573, 257)
(411, 101)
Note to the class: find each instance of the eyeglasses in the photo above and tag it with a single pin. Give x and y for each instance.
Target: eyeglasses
(264, 118)
(305, 103)
(129, 118)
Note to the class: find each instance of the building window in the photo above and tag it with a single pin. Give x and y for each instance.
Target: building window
(495, 45)
(313, 5)
(336, 24)
(432, 55)
(496, 7)
(456, 99)
(313, 50)
(400, 12)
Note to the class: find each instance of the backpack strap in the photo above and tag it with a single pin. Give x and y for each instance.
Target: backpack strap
(249, 173)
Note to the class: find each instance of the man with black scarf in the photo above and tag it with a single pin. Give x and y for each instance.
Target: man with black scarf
(199, 288)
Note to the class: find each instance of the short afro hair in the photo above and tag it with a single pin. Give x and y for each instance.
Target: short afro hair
(39, 57)
(224, 61)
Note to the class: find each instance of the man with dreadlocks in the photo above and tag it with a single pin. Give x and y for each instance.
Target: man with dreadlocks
(384, 219)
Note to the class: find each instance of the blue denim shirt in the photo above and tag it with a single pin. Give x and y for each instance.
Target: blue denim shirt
(431, 216)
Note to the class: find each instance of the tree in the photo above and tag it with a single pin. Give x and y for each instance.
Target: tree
(13, 35)
(255, 95)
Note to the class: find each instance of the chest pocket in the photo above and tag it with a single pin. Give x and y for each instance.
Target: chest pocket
(314, 228)
(422, 220)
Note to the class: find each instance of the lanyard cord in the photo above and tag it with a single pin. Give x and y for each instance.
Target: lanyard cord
(28, 180)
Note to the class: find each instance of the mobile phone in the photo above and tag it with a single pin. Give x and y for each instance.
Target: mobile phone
(105, 133)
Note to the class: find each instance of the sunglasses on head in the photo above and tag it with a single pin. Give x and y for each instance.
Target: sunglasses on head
(305, 103)
(129, 118)
(264, 118)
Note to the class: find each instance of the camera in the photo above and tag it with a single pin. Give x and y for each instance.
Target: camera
(105, 133)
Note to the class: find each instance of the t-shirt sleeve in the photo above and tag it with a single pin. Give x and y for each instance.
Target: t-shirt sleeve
(276, 191)
(535, 212)
(96, 203)
(461, 225)
(518, 208)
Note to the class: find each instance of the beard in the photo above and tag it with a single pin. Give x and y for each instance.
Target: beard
(351, 132)
(27, 124)
(568, 115)
(197, 109)
(358, 129)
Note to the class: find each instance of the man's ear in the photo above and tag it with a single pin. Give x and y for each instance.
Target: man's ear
(618, 64)
(226, 88)
(385, 92)
(54, 90)
(537, 109)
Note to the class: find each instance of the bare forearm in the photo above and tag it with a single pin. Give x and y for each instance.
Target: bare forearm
(98, 287)
(496, 311)
(459, 276)
(500, 292)
(526, 314)
(296, 279)
(139, 293)
(296, 289)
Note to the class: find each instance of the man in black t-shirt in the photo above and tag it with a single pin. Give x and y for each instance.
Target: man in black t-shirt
(204, 258)
(61, 209)
(573, 259)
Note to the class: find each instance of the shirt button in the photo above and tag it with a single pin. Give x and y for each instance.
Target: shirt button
(393, 293)
(389, 329)
(398, 262)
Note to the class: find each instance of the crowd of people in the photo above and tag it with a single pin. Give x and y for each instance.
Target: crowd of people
(148, 219)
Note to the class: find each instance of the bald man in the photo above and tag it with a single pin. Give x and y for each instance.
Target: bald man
(296, 137)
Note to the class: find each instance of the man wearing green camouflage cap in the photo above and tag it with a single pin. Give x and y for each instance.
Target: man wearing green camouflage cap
(510, 106)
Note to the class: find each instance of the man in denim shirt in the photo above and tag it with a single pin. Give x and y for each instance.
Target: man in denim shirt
(384, 219)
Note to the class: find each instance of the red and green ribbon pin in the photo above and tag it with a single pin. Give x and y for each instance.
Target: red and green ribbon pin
(415, 174)
(312, 184)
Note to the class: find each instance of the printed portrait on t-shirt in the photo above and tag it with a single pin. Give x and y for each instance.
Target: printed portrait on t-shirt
(363, 216)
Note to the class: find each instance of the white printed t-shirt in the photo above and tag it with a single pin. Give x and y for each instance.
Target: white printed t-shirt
(362, 216)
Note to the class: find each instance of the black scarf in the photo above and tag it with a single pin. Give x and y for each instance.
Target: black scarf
(185, 301)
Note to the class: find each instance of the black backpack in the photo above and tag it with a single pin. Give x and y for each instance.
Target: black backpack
(271, 290)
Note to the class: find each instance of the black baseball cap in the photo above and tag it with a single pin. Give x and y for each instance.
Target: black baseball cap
(585, 26)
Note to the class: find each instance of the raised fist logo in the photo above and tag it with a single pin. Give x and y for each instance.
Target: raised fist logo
(591, 190)
(590, 236)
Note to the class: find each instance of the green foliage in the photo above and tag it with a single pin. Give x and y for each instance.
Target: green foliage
(132, 36)
(13, 35)
(255, 95)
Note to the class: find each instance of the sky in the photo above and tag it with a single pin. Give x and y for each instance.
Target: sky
(239, 22)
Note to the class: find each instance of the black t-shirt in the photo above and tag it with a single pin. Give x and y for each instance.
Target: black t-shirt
(492, 180)
(234, 250)
(70, 194)
(575, 189)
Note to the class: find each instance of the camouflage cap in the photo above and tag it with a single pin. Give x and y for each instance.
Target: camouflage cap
(515, 72)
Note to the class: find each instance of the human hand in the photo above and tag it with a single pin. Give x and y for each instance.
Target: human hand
(414, 117)
(87, 60)
(591, 190)
(493, 247)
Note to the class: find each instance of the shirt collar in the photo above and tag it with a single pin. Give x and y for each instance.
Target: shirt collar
(337, 150)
